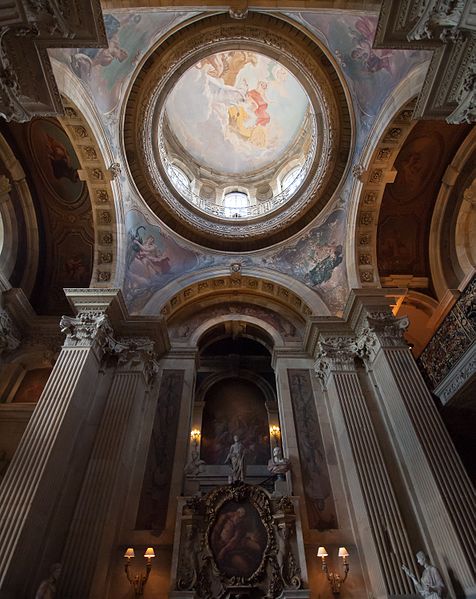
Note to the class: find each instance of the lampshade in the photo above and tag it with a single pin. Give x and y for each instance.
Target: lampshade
(149, 552)
(129, 553)
(321, 552)
(343, 552)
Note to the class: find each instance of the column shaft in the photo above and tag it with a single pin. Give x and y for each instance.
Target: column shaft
(41, 463)
(387, 530)
(442, 493)
(99, 504)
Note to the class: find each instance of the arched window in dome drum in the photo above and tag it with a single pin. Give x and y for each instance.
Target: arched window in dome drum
(234, 203)
(291, 180)
(179, 178)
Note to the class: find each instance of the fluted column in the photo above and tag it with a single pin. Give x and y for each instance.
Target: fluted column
(104, 490)
(384, 541)
(443, 497)
(41, 465)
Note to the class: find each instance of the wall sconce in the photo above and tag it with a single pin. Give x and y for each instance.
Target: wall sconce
(138, 581)
(195, 436)
(334, 579)
(275, 432)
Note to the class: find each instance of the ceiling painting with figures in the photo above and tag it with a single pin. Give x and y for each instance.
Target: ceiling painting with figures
(237, 111)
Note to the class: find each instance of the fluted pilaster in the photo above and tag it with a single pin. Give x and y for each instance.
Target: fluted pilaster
(441, 491)
(102, 495)
(40, 465)
(381, 527)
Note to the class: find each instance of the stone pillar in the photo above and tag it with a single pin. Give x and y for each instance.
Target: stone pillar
(383, 539)
(441, 493)
(48, 449)
(103, 494)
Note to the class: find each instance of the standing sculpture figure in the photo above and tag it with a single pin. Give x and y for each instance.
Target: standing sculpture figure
(47, 589)
(430, 585)
(236, 457)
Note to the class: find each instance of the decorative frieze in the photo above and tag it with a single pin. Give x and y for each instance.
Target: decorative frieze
(453, 338)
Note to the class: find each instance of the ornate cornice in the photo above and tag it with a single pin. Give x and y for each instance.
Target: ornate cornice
(27, 28)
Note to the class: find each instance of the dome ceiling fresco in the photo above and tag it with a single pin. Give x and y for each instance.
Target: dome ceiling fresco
(237, 111)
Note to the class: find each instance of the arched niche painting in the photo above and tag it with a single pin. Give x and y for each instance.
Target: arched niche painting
(238, 539)
(235, 406)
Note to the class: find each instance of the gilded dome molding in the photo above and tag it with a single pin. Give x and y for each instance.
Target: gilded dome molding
(304, 59)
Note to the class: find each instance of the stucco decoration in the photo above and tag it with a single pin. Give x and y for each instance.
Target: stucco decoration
(274, 40)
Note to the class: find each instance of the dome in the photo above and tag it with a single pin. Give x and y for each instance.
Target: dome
(240, 147)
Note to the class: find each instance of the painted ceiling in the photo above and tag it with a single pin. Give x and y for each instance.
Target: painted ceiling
(237, 111)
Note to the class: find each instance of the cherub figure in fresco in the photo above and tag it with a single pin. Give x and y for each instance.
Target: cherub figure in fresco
(373, 61)
(85, 59)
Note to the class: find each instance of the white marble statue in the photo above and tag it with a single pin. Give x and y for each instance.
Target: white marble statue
(278, 464)
(236, 458)
(47, 589)
(430, 585)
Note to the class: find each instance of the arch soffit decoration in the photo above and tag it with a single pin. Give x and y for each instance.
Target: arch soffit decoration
(8, 252)
(253, 377)
(374, 179)
(283, 290)
(464, 223)
(82, 125)
(241, 318)
(242, 301)
(372, 173)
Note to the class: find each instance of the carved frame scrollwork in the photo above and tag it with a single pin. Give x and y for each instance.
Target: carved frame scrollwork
(277, 39)
(278, 568)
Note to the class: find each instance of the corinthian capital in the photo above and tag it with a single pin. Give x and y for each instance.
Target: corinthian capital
(136, 353)
(86, 329)
(387, 329)
(334, 354)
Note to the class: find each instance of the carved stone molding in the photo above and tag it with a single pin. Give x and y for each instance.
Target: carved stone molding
(9, 334)
(27, 29)
(448, 28)
(277, 39)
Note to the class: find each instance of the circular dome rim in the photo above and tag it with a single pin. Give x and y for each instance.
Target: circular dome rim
(297, 52)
